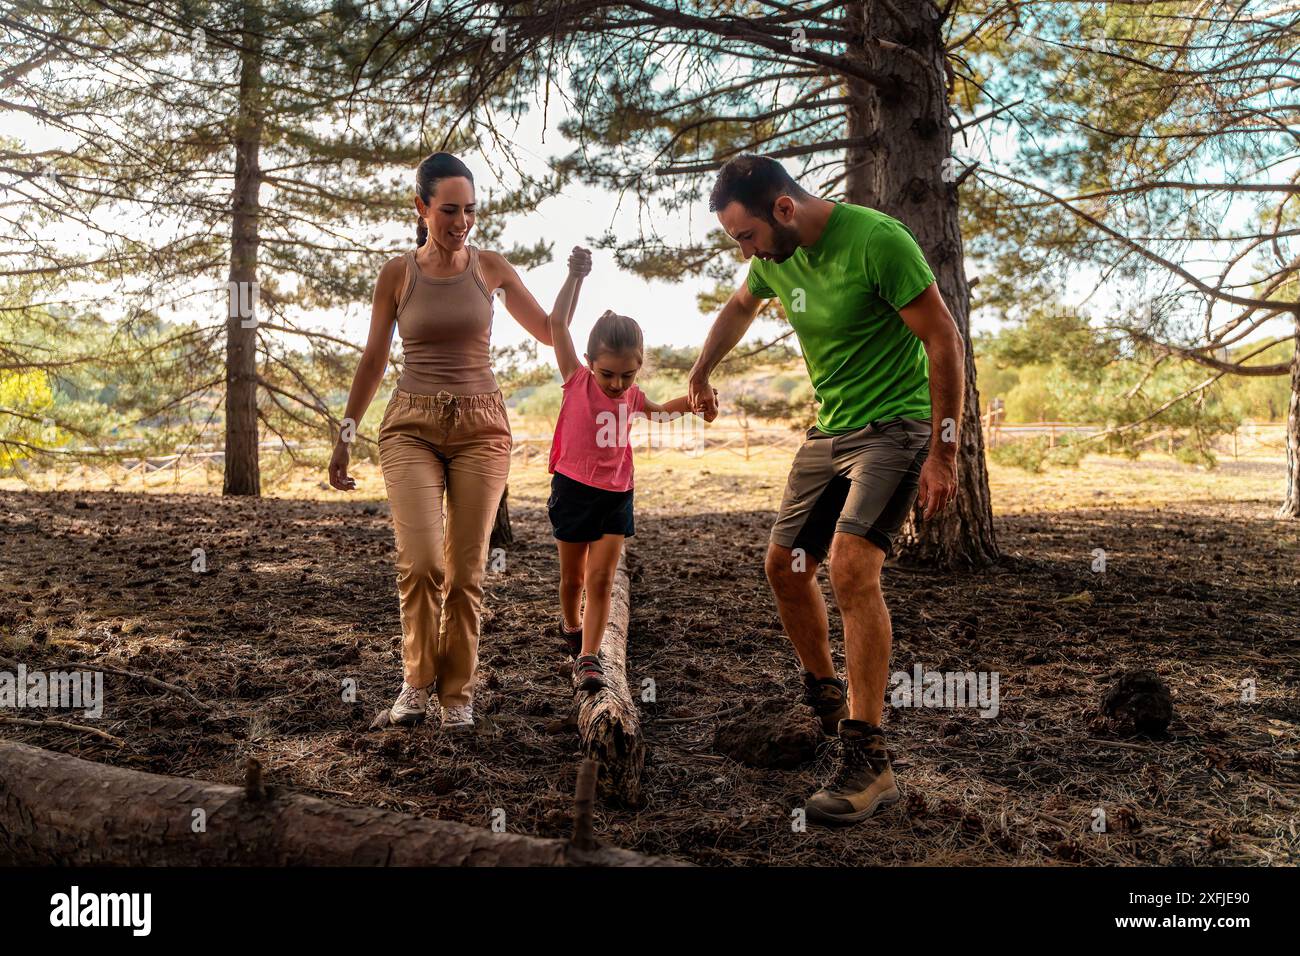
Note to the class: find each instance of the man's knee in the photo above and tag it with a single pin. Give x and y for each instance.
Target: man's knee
(855, 570)
(788, 570)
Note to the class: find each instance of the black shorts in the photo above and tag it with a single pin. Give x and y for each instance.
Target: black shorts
(582, 513)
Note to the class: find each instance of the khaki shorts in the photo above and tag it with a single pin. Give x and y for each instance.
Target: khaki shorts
(861, 482)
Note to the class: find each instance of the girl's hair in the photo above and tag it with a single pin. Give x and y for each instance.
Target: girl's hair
(435, 167)
(614, 333)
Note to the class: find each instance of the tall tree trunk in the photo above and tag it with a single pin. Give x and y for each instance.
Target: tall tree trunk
(242, 475)
(1291, 506)
(901, 171)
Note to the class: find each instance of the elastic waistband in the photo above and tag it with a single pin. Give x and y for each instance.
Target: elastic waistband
(440, 399)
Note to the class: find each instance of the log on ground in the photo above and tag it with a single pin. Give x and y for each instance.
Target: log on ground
(61, 810)
(608, 721)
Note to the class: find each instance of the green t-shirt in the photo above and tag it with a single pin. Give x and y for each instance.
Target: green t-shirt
(842, 295)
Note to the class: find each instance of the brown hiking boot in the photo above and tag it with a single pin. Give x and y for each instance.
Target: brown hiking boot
(863, 783)
(829, 699)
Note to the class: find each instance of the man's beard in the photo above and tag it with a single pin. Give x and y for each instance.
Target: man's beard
(785, 240)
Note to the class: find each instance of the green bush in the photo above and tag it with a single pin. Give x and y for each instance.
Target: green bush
(1027, 454)
(1032, 454)
(544, 402)
(1068, 452)
(1189, 453)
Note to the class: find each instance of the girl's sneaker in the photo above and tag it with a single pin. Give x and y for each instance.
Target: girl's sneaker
(571, 640)
(588, 673)
(458, 718)
(411, 706)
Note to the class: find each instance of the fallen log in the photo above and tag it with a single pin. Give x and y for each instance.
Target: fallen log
(608, 721)
(61, 810)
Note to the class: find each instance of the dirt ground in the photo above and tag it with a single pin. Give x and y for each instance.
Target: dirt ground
(299, 597)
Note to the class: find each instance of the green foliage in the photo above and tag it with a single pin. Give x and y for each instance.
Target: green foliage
(1190, 454)
(671, 358)
(25, 400)
(1034, 454)
(1032, 398)
(663, 386)
(1069, 451)
(516, 368)
(1056, 366)
(1256, 397)
(1026, 454)
(786, 384)
(542, 402)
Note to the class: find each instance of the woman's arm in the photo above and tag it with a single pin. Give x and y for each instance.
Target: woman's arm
(520, 302)
(370, 370)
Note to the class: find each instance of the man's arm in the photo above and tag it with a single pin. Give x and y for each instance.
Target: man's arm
(928, 317)
(728, 329)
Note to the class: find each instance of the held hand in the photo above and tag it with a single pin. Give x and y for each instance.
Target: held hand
(938, 485)
(703, 398)
(580, 262)
(339, 469)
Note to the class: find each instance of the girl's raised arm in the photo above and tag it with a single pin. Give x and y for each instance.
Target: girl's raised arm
(566, 355)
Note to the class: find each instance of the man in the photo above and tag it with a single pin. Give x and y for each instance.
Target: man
(883, 352)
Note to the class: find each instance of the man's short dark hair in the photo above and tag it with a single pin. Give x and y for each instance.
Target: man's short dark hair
(755, 182)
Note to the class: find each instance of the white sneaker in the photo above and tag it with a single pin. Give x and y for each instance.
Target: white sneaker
(458, 718)
(411, 706)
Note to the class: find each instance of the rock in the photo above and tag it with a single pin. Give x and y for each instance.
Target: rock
(773, 733)
(1142, 699)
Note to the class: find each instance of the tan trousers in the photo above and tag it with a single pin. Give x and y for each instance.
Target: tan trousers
(431, 446)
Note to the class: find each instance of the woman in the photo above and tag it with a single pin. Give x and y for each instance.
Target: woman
(444, 431)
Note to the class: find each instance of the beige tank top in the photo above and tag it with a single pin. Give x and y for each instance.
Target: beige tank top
(446, 329)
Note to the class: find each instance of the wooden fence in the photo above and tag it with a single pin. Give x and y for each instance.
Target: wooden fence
(1250, 436)
(687, 435)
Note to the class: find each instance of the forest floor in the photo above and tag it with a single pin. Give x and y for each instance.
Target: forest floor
(1201, 585)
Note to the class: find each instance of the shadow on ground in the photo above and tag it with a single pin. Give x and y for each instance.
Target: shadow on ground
(299, 602)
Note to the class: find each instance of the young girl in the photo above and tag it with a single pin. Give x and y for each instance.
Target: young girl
(591, 463)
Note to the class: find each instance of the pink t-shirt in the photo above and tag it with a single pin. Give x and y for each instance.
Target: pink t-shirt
(591, 434)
